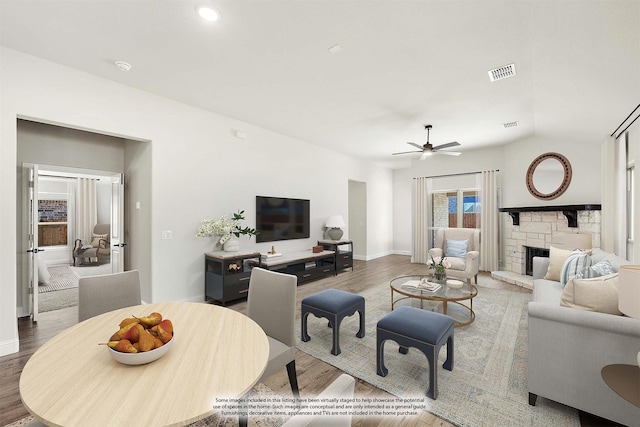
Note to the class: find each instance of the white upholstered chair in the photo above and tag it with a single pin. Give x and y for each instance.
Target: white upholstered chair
(460, 246)
(100, 294)
(342, 387)
(99, 248)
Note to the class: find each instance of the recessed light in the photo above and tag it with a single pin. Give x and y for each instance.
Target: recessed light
(208, 13)
(123, 66)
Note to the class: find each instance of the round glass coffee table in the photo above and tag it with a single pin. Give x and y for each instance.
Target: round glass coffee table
(415, 290)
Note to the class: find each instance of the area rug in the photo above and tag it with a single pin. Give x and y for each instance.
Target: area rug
(51, 301)
(488, 385)
(259, 391)
(62, 277)
(91, 270)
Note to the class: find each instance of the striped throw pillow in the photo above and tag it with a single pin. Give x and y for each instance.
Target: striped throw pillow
(573, 265)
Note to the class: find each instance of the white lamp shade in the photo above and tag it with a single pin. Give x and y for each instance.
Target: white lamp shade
(629, 290)
(335, 221)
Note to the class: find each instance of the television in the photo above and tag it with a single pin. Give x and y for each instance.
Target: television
(279, 218)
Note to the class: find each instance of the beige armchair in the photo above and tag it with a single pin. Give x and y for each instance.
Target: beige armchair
(99, 247)
(460, 247)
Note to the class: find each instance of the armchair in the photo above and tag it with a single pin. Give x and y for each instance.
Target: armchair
(99, 247)
(460, 246)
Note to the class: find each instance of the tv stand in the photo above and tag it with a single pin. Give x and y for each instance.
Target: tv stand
(304, 264)
(343, 250)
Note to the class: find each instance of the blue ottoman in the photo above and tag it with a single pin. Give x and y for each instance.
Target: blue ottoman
(425, 330)
(334, 305)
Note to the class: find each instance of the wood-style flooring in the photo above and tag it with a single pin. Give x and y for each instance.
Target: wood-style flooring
(313, 374)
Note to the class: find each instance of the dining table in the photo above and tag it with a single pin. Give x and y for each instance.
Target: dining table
(217, 353)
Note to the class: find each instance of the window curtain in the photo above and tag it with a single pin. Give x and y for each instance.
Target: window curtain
(613, 221)
(489, 235)
(421, 218)
(86, 209)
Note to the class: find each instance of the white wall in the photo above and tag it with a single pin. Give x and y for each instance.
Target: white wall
(199, 170)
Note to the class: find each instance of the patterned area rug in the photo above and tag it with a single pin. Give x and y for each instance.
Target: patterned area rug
(62, 277)
(260, 390)
(488, 384)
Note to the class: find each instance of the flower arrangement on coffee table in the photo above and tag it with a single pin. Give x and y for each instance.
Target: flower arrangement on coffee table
(440, 268)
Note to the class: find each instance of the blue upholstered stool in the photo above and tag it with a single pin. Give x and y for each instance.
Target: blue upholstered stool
(425, 330)
(334, 305)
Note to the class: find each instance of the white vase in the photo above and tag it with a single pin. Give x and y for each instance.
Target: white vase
(231, 245)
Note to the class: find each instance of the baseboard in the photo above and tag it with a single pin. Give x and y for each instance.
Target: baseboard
(9, 347)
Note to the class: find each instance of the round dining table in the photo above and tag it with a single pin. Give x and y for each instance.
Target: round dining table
(73, 381)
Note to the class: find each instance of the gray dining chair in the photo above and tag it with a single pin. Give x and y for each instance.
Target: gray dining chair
(100, 294)
(271, 303)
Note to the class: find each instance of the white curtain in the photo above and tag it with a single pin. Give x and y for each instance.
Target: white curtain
(421, 220)
(86, 209)
(489, 246)
(614, 162)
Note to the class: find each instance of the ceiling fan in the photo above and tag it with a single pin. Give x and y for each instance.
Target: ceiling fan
(428, 149)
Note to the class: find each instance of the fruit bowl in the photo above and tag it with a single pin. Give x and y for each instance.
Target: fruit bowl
(454, 284)
(142, 357)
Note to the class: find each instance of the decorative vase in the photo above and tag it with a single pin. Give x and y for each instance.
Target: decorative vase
(231, 245)
(440, 274)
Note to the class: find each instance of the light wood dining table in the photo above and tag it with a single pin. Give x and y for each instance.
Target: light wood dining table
(73, 381)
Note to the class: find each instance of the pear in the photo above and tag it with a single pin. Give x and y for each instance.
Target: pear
(151, 320)
(146, 341)
(157, 343)
(166, 325)
(161, 333)
(129, 320)
(133, 333)
(118, 335)
(125, 346)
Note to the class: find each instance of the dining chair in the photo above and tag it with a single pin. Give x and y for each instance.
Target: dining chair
(342, 387)
(271, 303)
(100, 294)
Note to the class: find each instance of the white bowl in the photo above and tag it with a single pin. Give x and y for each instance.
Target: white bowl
(454, 284)
(142, 357)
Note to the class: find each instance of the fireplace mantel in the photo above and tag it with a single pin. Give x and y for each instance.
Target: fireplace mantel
(570, 211)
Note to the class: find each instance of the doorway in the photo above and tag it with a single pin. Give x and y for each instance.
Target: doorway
(358, 218)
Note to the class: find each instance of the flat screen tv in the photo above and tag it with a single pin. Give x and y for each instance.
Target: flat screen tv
(279, 218)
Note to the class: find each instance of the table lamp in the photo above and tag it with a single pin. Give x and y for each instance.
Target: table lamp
(629, 292)
(334, 224)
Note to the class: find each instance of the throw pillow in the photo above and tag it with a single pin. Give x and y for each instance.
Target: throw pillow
(573, 266)
(96, 240)
(456, 248)
(598, 294)
(557, 257)
(603, 268)
(43, 273)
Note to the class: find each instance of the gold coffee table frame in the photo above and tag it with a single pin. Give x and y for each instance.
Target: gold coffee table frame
(444, 295)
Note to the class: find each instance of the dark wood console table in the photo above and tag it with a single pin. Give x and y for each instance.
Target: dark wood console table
(304, 264)
(343, 250)
(227, 275)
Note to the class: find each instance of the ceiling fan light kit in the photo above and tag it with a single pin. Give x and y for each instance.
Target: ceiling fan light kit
(428, 149)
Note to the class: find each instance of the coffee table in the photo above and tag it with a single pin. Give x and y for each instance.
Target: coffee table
(462, 314)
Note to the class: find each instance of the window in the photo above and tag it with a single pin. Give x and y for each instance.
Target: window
(455, 208)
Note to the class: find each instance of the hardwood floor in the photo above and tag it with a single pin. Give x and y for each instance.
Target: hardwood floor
(313, 374)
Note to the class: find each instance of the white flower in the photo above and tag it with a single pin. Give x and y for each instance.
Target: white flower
(224, 228)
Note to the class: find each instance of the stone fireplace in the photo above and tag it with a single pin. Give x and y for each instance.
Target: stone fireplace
(538, 228)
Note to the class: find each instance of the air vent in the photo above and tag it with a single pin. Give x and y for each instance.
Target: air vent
(510, 125)
(503, 72)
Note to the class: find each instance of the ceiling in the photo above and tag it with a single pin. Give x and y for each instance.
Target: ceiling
(403, 64)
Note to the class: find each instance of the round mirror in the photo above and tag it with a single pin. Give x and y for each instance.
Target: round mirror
(548, 176)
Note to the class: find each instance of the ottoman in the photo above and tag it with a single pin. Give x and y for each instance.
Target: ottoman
(425, 330)
(334, 305)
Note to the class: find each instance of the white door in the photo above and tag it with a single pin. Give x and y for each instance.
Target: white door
(117, 223)
(30, 174)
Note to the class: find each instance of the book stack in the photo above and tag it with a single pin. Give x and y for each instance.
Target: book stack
(422, 285)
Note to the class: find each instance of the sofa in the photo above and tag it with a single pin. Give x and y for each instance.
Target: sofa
(568, 347)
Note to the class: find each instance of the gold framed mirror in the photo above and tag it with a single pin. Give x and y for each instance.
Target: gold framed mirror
(548, 176)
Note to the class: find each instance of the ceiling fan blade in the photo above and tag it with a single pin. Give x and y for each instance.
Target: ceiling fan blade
(420, 147)
(448, 145)
(407, 152)
(448, 153)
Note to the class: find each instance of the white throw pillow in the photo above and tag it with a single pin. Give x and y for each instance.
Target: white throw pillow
(557, 257)
(43, 273)
(573, 265)
(456, 248)
(99, 240)
(598, 294)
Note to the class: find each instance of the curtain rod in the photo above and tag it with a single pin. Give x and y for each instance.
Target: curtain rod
(623, 122)
(454, 174)
(63, 177)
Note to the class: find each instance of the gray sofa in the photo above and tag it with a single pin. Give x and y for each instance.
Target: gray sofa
(568, 348)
